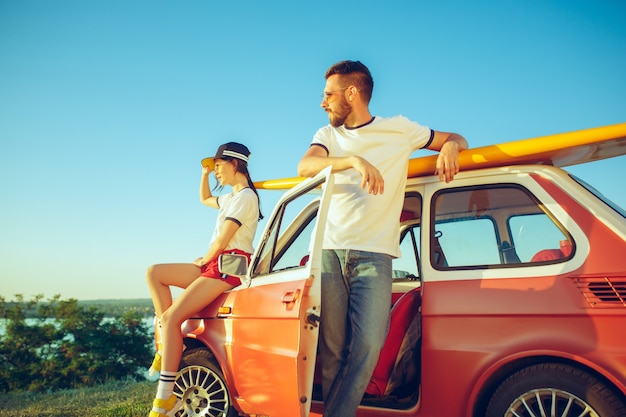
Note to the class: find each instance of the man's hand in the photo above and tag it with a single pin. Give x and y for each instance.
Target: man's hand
(371, 179)
(448, 161)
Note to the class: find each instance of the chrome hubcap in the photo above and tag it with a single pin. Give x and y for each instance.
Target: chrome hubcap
(202, 392)
(549, 402)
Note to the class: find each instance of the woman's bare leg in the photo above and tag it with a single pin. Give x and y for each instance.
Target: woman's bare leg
(200, 293)
(197, 294)
(160, 277)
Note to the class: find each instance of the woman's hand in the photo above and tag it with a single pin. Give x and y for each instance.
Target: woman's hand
(199, 261)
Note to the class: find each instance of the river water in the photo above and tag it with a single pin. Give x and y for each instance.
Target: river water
(148, 321)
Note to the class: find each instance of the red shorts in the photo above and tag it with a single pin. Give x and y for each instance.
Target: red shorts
(211, 270)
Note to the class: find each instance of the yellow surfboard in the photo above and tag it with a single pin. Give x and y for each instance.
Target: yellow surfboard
(563, 149)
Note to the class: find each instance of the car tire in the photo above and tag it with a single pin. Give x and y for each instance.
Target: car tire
(541, 387)
(201, 386)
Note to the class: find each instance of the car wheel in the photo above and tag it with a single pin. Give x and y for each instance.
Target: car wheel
(201, 387)
(554, 390)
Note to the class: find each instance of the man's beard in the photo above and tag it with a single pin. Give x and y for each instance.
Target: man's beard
(338, 117)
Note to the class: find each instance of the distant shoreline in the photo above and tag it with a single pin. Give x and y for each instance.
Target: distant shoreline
(116, 300)
(110, 307)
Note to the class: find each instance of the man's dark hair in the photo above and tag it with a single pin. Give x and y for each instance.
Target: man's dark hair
(356, 74)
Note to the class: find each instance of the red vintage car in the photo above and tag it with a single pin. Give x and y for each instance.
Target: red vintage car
(509, 298)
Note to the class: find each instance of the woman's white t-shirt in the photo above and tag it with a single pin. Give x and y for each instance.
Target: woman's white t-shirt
(243, 208)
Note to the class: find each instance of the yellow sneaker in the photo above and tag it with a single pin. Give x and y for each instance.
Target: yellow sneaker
(165, 408)
(155, 368)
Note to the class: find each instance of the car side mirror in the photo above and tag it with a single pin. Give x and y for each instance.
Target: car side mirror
(233, 264)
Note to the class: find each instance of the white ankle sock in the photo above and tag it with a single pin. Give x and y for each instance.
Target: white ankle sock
(165, 388)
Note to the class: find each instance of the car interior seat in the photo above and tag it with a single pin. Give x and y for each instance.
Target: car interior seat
(547, 255)
(439, 258)
(404, 318)
(508, 253)
(553, 254)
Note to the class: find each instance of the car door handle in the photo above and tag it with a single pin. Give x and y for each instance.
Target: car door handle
(291, 296)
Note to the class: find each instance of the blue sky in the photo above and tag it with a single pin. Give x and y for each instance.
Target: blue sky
(107, 107)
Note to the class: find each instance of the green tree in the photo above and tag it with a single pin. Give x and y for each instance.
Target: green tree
(67, 345)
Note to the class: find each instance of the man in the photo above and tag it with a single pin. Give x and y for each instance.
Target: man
(369, 156)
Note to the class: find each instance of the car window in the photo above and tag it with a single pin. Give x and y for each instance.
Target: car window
(287, 245)
(494, 226)
(296, 252)
(466, 242)
(531, 234)
(406, 266)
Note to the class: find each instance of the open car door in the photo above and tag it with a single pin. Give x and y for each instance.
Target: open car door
(275, 313)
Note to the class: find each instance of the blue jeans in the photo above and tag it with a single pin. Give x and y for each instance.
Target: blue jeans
(356, 301)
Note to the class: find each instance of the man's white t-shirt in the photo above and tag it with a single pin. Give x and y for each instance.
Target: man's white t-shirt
(243, 208)
(358, 220)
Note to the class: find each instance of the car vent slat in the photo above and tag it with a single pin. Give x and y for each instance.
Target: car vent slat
(603, 292)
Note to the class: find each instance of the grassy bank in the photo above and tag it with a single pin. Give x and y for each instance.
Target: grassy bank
(113, 399)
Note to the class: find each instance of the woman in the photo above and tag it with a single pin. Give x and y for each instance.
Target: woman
(234, 231)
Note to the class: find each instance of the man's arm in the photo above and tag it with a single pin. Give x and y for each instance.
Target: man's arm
(449, 145)
(316, 159)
